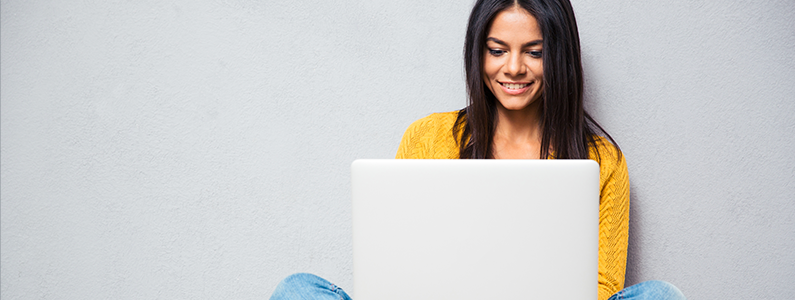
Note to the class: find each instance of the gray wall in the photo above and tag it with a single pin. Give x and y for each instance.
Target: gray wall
(183, 149)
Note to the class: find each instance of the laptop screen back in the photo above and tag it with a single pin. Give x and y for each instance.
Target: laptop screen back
(475, 229)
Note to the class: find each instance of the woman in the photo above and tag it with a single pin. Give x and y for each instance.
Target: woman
(525, 86)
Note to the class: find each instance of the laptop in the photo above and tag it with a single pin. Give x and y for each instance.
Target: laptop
(475, 229)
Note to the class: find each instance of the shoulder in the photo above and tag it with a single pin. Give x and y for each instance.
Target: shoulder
(603, 151)
(434, 122)
(430, 137)
(612, 163)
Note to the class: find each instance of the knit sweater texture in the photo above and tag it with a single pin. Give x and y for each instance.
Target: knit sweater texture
(432, 138)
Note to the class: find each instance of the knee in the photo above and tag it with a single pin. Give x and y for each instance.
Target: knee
(299, 279)
(664, 290)
(294, 284)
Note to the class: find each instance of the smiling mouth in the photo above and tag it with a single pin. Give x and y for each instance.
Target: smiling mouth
(515, 86)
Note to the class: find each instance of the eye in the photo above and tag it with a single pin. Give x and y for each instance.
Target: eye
(496, 52)
(534, 53)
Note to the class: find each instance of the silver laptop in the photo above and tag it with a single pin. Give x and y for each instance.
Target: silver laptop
(475, 229)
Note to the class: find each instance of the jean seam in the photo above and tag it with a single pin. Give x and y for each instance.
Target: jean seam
(334, 289)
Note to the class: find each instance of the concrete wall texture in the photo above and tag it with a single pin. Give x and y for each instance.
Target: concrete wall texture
(201, 149)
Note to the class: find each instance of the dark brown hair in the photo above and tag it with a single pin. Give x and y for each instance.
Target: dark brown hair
(566, 128)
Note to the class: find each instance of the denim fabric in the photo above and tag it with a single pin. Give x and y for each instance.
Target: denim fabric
(307, 287)
(648, 290)
(304, 286)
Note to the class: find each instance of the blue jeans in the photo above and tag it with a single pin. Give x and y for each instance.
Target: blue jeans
(304, 286)
(307, 287)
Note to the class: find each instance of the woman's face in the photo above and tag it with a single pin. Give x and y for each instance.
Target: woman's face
(512, 64)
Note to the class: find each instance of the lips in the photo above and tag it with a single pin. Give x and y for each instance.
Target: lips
(514, 86)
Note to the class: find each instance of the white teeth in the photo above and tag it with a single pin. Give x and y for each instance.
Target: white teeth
(514, 86)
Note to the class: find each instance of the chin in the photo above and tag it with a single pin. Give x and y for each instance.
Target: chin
(516, 106)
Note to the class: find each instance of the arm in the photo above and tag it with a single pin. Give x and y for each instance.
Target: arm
(613, 221)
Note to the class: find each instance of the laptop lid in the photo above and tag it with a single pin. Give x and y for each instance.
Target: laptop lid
(475, 229)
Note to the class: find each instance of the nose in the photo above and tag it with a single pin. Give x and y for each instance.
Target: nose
(515, 64)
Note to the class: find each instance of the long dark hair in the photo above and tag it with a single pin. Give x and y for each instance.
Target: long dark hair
(566, 127)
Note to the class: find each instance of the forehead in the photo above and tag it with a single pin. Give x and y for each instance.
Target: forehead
(515, 25)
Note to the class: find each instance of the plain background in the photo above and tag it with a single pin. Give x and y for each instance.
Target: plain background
(201, 149)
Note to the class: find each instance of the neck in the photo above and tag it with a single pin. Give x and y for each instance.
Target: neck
(518, 132)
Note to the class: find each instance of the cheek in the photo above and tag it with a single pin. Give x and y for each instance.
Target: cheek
(537, 67)
(491, 67)
(487, 74)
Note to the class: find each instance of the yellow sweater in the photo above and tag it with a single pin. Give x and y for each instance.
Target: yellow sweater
(432, 138)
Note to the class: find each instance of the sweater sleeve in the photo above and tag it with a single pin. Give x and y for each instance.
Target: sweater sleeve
(613, 220)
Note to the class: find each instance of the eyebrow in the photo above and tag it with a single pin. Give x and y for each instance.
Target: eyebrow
(528, 44)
